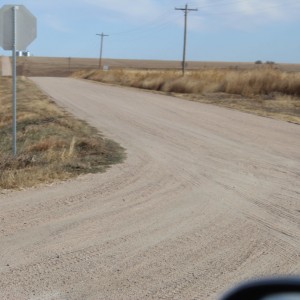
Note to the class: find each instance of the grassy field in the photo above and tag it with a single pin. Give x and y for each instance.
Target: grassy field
(64, 66)
(51, 144)
(265, 91)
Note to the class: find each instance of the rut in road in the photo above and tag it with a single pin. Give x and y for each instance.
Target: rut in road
(207, 197)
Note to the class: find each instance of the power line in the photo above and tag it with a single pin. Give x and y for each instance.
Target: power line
(214, 4)
(147, 32)
(146, 27)
(186, 11)
(257, 7)
(163, 19)
(256, 11)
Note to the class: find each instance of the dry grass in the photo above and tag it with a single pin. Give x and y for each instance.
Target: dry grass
(263, 81)
(64, 66)
(51, 144)
(265, 91)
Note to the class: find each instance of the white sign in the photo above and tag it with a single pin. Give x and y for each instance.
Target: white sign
(16, 17)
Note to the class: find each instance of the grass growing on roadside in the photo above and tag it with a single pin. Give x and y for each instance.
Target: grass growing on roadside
(264, 91)
(51, 145)
(260, 81)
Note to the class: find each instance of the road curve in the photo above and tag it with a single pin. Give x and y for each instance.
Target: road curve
(207, 197)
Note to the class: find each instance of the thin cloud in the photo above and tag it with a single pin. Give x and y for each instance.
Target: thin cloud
(55, 23)
(270, 10)
(141, 10)
(243, 14)
(213, 15)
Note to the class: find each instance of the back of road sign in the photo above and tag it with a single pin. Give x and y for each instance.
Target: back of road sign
(25, 27)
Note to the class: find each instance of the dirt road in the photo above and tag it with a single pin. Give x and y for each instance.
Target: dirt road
(207, 197)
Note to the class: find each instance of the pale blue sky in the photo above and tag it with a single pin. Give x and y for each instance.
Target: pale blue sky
(222, 30)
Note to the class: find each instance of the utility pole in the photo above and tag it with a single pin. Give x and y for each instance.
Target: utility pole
(102, 35)
(186, 11)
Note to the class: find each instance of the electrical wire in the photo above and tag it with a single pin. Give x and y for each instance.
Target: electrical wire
(228, 3)
(150, 31)
(145, 25)
(216, 3)
(262, 10)
(164, 20)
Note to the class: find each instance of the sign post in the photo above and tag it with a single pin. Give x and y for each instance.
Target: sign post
(14, 84)
(17, 31)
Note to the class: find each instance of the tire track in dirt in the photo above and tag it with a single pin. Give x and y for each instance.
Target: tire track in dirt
(207, 197)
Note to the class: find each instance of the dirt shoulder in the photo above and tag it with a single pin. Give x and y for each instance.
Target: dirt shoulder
(51, 144)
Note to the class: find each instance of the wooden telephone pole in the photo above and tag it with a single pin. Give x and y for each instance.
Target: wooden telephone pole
(102, 35)
(186, 11)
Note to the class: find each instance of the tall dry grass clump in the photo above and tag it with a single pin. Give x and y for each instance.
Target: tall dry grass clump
(264, 91)
(260, 81)
(51, 144)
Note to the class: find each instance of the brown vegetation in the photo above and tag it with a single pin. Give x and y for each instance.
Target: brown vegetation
(51, 144)
(64, 66)
(247, 83)
(265, 90)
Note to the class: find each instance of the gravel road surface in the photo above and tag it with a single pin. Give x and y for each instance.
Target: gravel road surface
(207, 197)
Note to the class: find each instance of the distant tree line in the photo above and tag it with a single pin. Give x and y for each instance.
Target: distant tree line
(259, 62)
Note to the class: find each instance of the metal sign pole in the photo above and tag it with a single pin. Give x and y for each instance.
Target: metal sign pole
(14, 85)
(17, 31)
